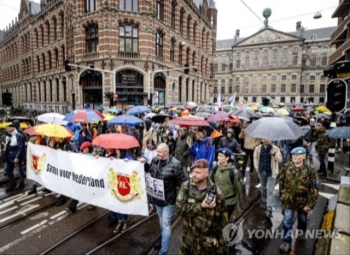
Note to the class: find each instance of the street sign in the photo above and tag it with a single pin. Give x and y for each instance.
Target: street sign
(337, 95)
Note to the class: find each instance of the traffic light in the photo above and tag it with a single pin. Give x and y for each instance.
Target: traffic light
(337, 95)
(6, 98)
(66, 66)
(187, 70)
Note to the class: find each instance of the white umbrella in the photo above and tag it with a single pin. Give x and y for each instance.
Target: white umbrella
(52, 117)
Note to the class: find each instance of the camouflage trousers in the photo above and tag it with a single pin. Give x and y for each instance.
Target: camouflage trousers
(204, 246)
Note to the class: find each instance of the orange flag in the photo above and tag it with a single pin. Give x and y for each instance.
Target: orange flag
(215, 134)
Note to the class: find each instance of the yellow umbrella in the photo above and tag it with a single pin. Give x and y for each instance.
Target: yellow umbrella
(283, 111)
(5, 124)
(53, 130)
(322, 109)
(328, 112)
(108, 117)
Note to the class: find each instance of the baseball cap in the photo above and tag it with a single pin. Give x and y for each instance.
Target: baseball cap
(318, 124)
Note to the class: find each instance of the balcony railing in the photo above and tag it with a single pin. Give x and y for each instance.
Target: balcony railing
(339, 52)
(91, 55)
(130, 55)
(343, 26)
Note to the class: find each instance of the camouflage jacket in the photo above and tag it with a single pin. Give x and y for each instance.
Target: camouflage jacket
(202, 228)
(323, 143)
(232, 191)
(297, 188)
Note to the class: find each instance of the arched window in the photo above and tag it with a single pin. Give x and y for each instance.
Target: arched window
(172, 50)
(54, 29)
(180, 54)
(180, 89)
(91, 38)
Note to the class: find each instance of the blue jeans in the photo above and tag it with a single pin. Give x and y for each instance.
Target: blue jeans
(165, 213)
(286, 152)
(267, 187)
(119, 216)
(288, 222)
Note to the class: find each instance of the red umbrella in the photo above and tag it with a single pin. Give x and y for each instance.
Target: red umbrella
(234, 119)
(116, 141)
(87, 116)
(188, 121)
(220, 116)
(31, 131)
(298, 109)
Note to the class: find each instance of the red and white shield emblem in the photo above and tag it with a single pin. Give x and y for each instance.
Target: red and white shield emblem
(123, 184)
(35, 161)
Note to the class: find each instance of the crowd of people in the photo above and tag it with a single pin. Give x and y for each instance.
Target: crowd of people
(190, 163)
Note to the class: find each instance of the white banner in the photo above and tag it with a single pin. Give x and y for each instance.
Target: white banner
(116, 185)
(155, 187)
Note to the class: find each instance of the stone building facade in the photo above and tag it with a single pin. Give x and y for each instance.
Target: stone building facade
(124, 40)
(286, 67)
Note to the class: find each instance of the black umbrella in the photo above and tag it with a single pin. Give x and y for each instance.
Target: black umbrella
(159, 118)
(274, 129)
(246, 113)
(339, 133)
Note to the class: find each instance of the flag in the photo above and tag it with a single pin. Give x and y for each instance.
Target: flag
(232, 99)
(215, 134)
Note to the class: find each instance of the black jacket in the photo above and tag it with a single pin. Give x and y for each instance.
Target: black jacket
(230, 143)
(172, 174)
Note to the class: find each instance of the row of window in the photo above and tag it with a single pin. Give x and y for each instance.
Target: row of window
(47, 92)
(273, 89)
(273, 78)
(283, 99)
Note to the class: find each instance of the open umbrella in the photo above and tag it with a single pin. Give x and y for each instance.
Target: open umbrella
(220, 116)
(86, 116)
(305, 129)
(274, 129)
(116, 141)
(283, 111)
(247, 113)
(322, 115)
(52, 117)
(159, 118)
(128, 120)
(53, 130)
(113, 110)
(189, 121)
(138, 110)
(339, 133)
(150, 115)
(266, 109)
(5, 124)
(31, 131)
(298, 108)
(322, 109)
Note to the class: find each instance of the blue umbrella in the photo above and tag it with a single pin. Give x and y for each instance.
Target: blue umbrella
(339, 133)
(322, 115)
(128, 120)
(69, 116)
(138, 110)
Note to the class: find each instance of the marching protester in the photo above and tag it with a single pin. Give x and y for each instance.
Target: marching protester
(298, 190)
(181, 151)
(249, 145)
(166, 170)
(150, 151)
(266, 159)
(85, 148)
(203, 220)
(227, 178)
(14, 151)
(202, 147)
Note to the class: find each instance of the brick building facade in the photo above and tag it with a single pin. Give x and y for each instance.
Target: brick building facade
(125, 37)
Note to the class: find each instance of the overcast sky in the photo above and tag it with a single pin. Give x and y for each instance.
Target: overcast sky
(234, 14)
